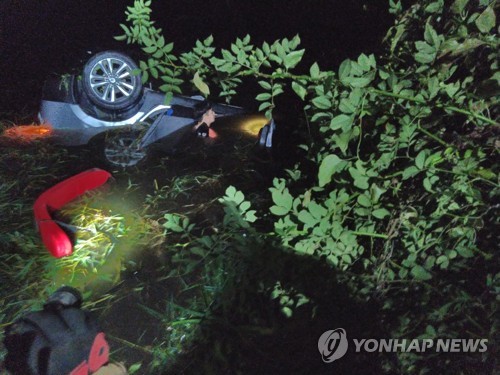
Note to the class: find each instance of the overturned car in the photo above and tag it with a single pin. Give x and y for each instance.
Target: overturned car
(108, 103)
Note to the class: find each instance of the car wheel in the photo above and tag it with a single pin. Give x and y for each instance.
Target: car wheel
(109, 82)
(122, 149)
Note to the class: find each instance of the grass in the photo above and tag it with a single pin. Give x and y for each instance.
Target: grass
(125, 262)
(202, 296)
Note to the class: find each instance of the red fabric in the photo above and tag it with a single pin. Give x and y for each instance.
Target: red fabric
(99, 353)
(99, 356)
(53, 237)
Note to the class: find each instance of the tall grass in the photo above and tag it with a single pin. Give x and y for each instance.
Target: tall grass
(124, 261)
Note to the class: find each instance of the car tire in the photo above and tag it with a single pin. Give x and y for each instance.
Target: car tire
(121, 149)
(109, 81)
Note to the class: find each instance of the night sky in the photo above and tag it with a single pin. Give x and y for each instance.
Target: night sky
(43, 37)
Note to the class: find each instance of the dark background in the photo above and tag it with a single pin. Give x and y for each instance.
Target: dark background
(43, 37)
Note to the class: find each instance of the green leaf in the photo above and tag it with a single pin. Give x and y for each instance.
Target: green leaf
(344, 69)
(125, 28)
(467, 46)
(342, 140)
(434, 7)
(431, 36)
(154, 72)
(425, 58)
(208, 41)
(429, 262)
(314, 71)
(328, 167)
(458, 6)
(280, 51)
(242, 57)
(318, 211)
(364, 200)
(360, 180)
(134, 368)
(341, 121)
(263, 96)
(322, 102)
(265, 85)
(306, 217)
(299, 90)
(234, 195)
(420, 159)
(364, 62)
(376, 192)
(358, 81)
(282, 198)
(452, 88)
(266, 48)
(264, 105)
(383, 75)
(380, 213)
(158, 54)
(244, 206)
(487, 20)
(443, 261)
(410, 172)
(234, 49)
(168, 97)
(278, 210)
(146, 40)
(293, 58)
(420, 273)
(400, 29)
(250, 216)
(428, 185)
(465, 252)
(200, 84)
(346, 106)
(160, 42)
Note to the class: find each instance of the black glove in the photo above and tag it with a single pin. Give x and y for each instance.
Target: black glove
(59, 340)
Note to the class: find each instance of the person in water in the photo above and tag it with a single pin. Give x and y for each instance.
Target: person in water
(204, 116)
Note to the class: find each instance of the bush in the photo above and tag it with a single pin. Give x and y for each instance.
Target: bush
(405, 151)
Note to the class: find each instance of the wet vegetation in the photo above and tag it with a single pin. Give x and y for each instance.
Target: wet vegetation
(232, 259)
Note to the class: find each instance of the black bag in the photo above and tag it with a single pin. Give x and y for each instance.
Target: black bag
(58, 340)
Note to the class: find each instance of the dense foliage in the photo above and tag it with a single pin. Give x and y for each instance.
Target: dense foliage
(386, 228)
(406, 151)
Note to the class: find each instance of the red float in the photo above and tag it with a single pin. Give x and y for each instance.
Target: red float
(53, 236)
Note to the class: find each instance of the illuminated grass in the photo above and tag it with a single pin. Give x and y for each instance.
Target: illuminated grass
(108, 234)
(122, 251)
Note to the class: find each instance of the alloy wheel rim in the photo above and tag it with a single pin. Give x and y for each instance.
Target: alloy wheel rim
(123, 151)
(111, 80)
